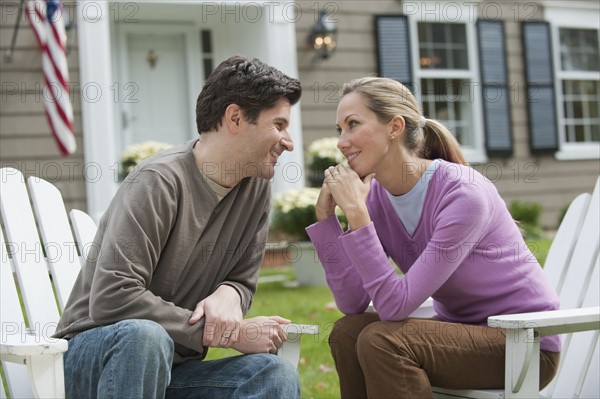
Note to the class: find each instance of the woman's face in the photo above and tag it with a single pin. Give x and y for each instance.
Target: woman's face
(364, 140)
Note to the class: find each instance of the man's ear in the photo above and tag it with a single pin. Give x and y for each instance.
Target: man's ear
(233, 117)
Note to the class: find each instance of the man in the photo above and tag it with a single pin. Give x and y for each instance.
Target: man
(176, 257)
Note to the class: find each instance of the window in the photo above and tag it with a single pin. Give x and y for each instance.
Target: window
(579, 55)
(575, 39)
(448, 84)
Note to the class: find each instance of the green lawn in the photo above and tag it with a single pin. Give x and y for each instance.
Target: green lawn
(540, 249)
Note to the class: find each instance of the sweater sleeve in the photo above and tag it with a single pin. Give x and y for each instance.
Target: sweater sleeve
(343, 280)
(244, 275)
(458, 226)
(134, 235)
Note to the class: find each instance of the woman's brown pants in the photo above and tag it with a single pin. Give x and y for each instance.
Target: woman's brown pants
(405, 359)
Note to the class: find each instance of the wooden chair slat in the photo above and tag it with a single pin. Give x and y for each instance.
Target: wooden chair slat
(589, 390)
(61, 252)
(564, 241)
(582, 261)
(13, 327)
(85, 229)
(581, 347)
(28, 258)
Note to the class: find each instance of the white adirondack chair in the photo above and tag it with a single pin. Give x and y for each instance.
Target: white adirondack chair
(573, 268)
(32, 362)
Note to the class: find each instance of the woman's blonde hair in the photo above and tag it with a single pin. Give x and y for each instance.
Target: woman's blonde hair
(388, 98)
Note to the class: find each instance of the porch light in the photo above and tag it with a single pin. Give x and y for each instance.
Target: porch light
(323, 36)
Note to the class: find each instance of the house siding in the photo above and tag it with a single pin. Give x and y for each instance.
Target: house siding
(26, 142)
(523, 176)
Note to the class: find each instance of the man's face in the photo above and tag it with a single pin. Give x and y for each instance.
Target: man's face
(266, 140)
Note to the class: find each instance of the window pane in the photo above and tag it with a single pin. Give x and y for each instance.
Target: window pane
(579, 49)
(596, 132)
(438, 32)
(579, 134)
(442, 46)
(460, 59)
(458, 33)
(448, 101)
(594, 109)
(581, 110)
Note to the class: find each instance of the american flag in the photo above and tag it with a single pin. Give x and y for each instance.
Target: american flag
(47, 21)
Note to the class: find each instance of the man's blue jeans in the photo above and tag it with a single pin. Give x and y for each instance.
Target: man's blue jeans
(133, 359)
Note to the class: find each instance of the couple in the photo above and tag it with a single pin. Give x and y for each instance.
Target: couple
(179, 254)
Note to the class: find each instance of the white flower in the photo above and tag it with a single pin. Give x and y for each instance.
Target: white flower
(136, 153)
(297, 198)
(324, 151)
(294, 210)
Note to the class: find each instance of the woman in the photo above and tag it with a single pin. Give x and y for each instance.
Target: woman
(409, 196)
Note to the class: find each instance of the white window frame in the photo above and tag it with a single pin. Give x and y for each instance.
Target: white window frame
(576, 15)
(451, 12)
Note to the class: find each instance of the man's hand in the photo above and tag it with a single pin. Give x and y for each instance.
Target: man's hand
(262, 334)
(222, 314)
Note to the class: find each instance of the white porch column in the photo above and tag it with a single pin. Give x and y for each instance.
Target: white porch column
(97, 107)
(281, 53)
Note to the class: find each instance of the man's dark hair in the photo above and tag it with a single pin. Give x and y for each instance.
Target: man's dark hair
(251, 84)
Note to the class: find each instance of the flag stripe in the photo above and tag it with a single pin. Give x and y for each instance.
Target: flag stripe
(59, 106)
(49, 32)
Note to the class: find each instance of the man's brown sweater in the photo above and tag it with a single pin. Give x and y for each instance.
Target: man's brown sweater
(166, 243)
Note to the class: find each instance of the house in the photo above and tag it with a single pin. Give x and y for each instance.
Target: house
(517, 82)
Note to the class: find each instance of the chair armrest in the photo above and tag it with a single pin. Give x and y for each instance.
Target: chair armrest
(294, 331)
(32, 345)
(551, 322)
(290, 350)
(44, 360)
(425, 311)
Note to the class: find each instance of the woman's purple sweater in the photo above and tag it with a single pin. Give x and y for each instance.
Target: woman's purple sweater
(466, 252)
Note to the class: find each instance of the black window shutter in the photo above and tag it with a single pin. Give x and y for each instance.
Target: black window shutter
(494, 86)
(393, 48)
(540, 95)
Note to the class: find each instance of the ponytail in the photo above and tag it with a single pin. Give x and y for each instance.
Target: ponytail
(440, 143)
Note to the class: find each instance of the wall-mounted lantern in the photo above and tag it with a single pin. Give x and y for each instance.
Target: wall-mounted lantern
(323, 36)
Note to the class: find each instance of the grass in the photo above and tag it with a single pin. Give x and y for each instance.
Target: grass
(540, 249)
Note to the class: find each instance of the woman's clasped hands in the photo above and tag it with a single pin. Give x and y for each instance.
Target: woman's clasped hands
(343, 187)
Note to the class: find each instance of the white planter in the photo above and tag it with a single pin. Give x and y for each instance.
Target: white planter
(307, 266)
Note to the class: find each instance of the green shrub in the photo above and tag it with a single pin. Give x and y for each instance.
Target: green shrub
(526, 213)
